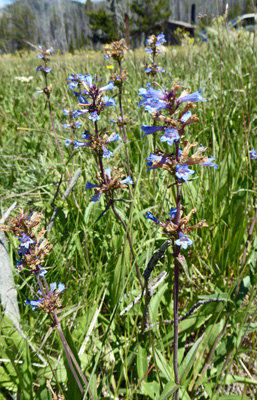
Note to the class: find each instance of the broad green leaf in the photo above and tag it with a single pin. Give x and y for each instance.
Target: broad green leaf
(163, 365)
(169, 389)
(151, 389)
(142, 365)
(189, 360)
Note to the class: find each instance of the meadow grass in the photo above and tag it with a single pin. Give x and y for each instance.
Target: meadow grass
(92, 258)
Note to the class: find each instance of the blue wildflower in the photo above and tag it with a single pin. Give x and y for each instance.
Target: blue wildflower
(113, 138)
(108, 172)
(192, 97)
(127, 181)
(170, 136)
(33, 303)
(90, 185)
(151, 129)
(94, 117)
(106, 153)
(253, 154)
(208, 163)
(149, 215)
(68, 142)
(183, 172)
(78, 143)
(183, 241)
(173, 212)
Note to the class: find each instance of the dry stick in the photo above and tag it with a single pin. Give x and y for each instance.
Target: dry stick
(157, 255)
(176, 251)
(190, 312)
(124, 134)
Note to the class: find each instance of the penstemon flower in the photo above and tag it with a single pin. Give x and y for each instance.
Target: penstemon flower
(109, 184)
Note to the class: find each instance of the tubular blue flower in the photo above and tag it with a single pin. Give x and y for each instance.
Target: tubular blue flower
(171, 136)
(94, 117)
(148, 50)
(107, 56)
(183, 172)
(109, 86)
(96, 197)
(59, 289)
(68, 142)
(127, 181)
(66, 112)
(160, 69)
(85, 135)
(106, 153)
(160, 39)
(39, 91)
(78, 113)
(90, 185)
(253, 154)
(153, 158)
(173, 212)
(108, 172)
(108, 101)
(151, 129)
(183, 241)
(77, 144)
(148, 69)
(47, 70)
(192, 97)
(185, 117)
(33, 303)
(209, 163)
(153, 100)
(152, 217)
(113, 138)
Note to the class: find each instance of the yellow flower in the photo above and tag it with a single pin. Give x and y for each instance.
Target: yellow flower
(109, 66)
(129, 100)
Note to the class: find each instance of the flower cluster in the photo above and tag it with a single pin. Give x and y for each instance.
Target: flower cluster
(115, 50)
(108, 183)
(98, 102)
(178, 230)
(44, 55)
(152, 47)
(96, 144)
(50, 301)
(33, 248)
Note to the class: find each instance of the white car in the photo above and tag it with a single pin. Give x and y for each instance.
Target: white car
(246, 21)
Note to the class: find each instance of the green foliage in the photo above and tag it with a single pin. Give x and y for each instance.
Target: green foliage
(147, 14)
(103, 25)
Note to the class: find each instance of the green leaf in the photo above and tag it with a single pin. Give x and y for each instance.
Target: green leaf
(230, 379)
(188, 362)
(233, 397)
(163, 365)
(142, 365)
(169, 389)
(181, 259)
(151, 389)
(155, 302)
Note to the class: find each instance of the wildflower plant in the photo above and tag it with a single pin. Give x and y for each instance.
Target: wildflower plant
(92, 102)
(116, 50)
(165, 108)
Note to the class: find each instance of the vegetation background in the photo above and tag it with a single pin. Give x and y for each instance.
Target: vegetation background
(218, 342)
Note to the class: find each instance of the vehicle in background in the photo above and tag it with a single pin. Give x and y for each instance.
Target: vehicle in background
(246, 21)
